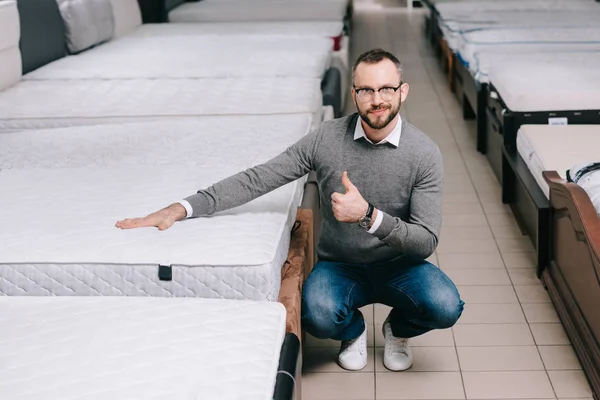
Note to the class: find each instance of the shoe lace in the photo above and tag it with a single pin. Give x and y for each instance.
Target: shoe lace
(398, 345)
(354, 344)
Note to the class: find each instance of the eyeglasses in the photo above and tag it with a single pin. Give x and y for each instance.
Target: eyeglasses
(386, 93)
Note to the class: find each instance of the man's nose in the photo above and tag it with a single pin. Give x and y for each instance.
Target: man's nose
(376, 100)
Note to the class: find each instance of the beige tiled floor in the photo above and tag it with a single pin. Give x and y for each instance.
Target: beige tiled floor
(509, 343)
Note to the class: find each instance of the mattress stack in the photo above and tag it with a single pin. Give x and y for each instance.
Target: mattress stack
(136, 117)
(103, 118)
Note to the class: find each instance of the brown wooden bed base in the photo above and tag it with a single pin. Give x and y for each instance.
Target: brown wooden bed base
(573, 274)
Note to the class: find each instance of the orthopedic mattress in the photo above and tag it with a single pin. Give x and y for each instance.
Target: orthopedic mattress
(556, 148)
(260, 11)
(525, 40)
(79, 181)
(210, 56)
(525, 86)
(289, 28)
(452, 29)
(467, 9)
(42, 104)
(139, 348)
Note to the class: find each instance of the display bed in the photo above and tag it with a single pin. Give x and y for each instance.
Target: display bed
(38, 104)
(125, 347)
(112, 172)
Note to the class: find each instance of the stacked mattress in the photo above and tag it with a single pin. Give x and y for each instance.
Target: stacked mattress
(479, 48)
(35, 104)
(546, 82)
(198, 56)
(557, 148)
(127, 169)
(150, 348)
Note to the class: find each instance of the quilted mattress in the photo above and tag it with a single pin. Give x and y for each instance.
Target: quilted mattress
(524, 86)
(35, 104)
(105, 173)
(556, 148)
(525, 40)
(452, 29)
(480, 68)
(138, 348)
(260, 11)
(289, 28)
(210, 56)
(464, 9)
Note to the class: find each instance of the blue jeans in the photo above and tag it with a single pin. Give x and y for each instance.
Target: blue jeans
(422, 298)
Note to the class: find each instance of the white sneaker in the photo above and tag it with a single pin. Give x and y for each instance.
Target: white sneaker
(397, 355)
(353, 353)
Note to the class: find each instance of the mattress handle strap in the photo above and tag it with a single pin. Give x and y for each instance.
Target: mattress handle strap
(165, 272)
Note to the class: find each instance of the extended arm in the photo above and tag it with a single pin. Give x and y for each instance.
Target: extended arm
(237, 189)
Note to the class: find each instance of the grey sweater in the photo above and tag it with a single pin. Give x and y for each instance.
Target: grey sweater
(405, 183)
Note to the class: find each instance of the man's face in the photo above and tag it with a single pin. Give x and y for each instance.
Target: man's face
(377, 94)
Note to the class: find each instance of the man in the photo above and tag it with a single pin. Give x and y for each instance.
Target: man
(381, 200)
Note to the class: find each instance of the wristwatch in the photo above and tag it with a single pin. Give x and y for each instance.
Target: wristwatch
(365, 220)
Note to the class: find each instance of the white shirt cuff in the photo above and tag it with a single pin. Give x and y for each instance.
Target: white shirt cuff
(188, 208)
(377, 222)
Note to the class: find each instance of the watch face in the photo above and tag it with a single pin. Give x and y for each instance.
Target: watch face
(364, 222)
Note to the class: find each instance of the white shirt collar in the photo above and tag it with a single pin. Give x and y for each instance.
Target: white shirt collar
(393, 138)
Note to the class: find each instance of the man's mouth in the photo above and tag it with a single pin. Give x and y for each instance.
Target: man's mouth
(378, 111)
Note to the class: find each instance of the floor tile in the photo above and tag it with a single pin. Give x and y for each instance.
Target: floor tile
(425, 359)
(559, 357)
(470, 261)
(478, 277)
(570, 384)
(487, 294)
(318, 360)
(492, 314)
(500, 358)
(418, 386)
(532, 294)
(508, 385)
(339, 386)
(493, 335)
(549, 334)
(540, 312)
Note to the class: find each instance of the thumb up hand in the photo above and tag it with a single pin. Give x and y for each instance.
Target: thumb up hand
(348, 207)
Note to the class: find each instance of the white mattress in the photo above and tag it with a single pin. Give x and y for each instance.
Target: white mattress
(483, 61)
(107, 173)
(530, 82)
(452, 29)
(39, 104)
(260, 10)
(289, 28)
(557, 148)
(462, 9)
(195, 57)
(138, 348)
(525, 40)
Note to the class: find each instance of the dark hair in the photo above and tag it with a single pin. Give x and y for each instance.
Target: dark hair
(374, 56)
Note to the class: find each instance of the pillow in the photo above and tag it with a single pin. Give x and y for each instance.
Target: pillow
(127, 16)
(588, 177)
(87, 23)
(42, 33)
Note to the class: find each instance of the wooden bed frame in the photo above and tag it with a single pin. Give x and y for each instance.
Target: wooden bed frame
(573, 274)
(297, 267)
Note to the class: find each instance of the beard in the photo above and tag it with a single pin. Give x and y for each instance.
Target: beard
(379, 122)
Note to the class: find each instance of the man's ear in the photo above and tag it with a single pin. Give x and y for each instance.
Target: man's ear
(404, 91)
